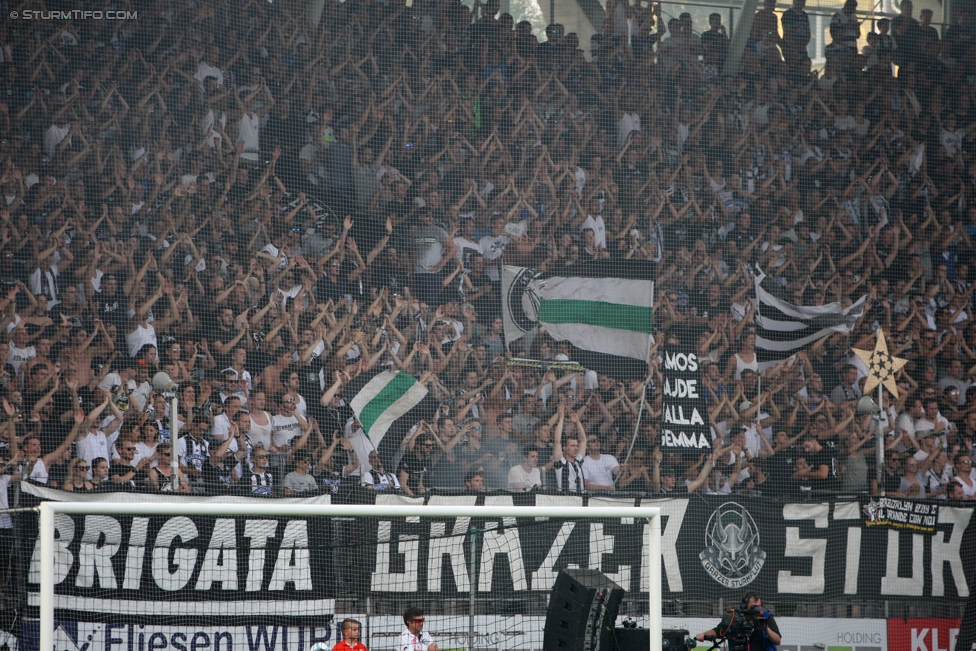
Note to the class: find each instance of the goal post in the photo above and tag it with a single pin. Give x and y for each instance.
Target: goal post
(650, 552)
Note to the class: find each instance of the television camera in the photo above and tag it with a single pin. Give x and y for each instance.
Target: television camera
(737, 626)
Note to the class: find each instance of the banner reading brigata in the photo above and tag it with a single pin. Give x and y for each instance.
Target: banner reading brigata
(152, 568)
(684, 423)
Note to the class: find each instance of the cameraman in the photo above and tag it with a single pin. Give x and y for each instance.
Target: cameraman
(765, 635)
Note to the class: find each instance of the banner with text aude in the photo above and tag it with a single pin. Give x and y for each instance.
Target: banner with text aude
(684, 421)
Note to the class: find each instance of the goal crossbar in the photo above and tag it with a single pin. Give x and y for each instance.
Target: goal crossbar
(48, 510)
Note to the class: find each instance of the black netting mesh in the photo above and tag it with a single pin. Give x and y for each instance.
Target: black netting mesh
(288, 207)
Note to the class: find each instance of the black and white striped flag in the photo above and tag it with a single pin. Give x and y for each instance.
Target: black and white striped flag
(783, 329)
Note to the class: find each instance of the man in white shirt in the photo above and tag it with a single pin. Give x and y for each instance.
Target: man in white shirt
(906, 421)
(493, 246)
(221, 423)
(54, 136)
(206, 69)
(290, 429)
(414, 637)
(465, 242)
(525, 476)
(933, 420)
(599, 469)
(20, 350)
(95, 443)
(595, 221)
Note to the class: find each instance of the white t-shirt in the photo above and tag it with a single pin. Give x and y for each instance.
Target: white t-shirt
(139, 338)
(39, 472)
(286, 429)
(221, 427)
(492, 249)
(95, 445)
(599, 230)
(518, 479)
(140, 393)
(464, 246)
(110, 380)
(906, 423)
(941, 424)
(363, 446)
(260, 435)
(600, 471)
(629, 122)
(248, 133)
(144, 451)
(53, 137)
(18, 356)
(411, 642)
(205, 70)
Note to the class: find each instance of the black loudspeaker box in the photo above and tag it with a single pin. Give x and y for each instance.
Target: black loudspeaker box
(582, 610)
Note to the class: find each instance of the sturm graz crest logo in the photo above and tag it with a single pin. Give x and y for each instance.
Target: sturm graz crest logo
(732, 555)
(522, 300)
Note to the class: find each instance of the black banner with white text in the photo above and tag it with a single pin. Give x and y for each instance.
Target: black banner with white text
(276, 570)
(684, 422)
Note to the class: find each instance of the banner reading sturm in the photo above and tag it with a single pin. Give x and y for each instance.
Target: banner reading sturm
(684, 423)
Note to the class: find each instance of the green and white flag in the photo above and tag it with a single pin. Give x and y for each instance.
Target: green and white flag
(384, 399)
(601, 308)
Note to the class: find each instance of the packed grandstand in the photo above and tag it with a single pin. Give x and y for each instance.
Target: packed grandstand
(380, 250)
(277, 213)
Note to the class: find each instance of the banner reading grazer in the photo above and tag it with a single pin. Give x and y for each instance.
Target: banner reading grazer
(236, 571)
(684, 423)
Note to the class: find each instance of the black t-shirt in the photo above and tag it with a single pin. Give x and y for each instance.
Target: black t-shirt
(892, 483)
(391, 276)
(705, 308)
(415, 468)
(331, 420)
(138, 481)
(780, 471)
(817, 459)
(326, 289)
(715, 41)
(545, 456)
(112, 309)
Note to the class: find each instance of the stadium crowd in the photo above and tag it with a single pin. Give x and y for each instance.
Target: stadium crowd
(266, 210)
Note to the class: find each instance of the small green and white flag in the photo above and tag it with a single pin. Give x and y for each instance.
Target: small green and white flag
(604, 309)
(384, 399)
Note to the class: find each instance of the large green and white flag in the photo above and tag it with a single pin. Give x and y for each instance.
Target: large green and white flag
(601, 308)
(384, 399)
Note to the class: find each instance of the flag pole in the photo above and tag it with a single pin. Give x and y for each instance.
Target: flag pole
(758, 416)
(640, 411)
